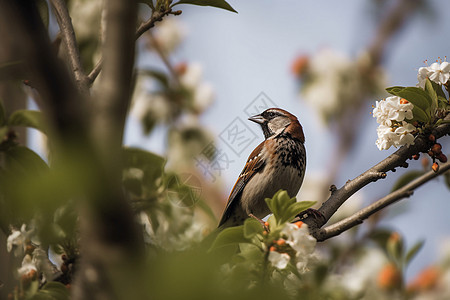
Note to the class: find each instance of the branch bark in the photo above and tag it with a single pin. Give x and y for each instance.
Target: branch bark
(68, 35)
(404, 192)
(395, 160)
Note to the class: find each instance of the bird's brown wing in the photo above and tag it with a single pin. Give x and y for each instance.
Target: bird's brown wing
(255, 164)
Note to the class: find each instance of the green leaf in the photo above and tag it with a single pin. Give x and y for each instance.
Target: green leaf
(413, 251)
(230, 236)
(443, 102)
(279, 204)
(419, 115)
(415, 95)
(406, 178)
(251, 228)
(27, 118)
(23, 159)
(214, 3)
(394, 247)
(430, 89)
(296, 208)
(52, 290)
(43, 11)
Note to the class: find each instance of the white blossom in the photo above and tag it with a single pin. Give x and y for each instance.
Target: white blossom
(27, 265)
(191, 77)
(16, 241)
(392, 109)
(169, 34)
(439, 72)
(422, 76)
(385, 137)
(279, 260)
(299, 238)
(388, 136)
(203, 96)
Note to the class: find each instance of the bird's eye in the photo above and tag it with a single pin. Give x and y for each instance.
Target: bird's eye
(271, 114)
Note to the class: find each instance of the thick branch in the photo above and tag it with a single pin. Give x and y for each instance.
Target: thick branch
(395, 160)
(357, 218)
(68, 35)
(156, 17)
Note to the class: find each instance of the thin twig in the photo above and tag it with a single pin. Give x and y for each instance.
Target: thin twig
(68, 35)
(156, 17)
(401, 193)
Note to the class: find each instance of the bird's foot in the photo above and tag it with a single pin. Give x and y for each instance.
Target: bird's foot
(263, 224)
(311, 212)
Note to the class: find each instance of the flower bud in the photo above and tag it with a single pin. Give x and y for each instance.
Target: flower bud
(426, 280)
(416, 156)
(299, 224)
(431, 138)
(272, 248)
(404, 101)
(436, 148)
(300, 65)
(442, 157)
(435, 167)
(389, 277)
(281, 242)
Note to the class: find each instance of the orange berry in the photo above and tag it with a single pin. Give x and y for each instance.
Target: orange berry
(281, 242)
(181, 68)
(426, 280)
(265, 232)
(435, 167)
(404, 101)
(436, 148)
(32, 274)
(272, 248)
(389, 277)
(299, 224)
(442, 157)
(300, 65)
(266, 224)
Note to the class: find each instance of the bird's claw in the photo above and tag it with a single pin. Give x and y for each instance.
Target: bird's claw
(311, 212)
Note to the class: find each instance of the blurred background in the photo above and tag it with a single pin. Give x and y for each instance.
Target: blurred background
(199, 76)
(327, 62)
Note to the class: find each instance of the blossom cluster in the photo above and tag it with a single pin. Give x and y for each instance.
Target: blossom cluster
(296, 244)
(391, 113)
(331, 81)
(438, 72)
(19, 242)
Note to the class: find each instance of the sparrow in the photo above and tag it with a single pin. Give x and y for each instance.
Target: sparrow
(279, 162)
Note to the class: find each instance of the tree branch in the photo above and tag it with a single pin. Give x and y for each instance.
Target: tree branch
(150, 23)
(403, 192)
(68, 35)
(395, 160)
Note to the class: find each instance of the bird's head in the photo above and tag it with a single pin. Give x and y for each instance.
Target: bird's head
(274, 121)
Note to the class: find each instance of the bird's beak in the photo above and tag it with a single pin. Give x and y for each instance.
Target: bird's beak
(257, 119)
